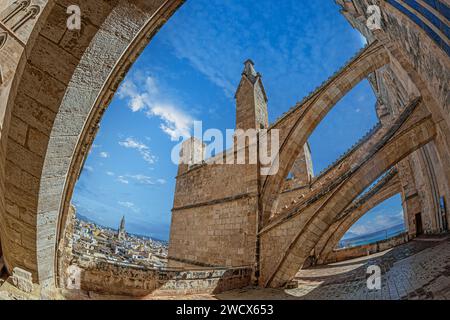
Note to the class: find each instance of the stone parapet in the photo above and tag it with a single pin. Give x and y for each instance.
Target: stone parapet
(115, 279)
(365, 250)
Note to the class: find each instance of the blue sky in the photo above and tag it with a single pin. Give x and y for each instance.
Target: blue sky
(190, 72)
(386, 215)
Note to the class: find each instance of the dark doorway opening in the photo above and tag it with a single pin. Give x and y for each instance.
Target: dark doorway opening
(419, 227)
(2, 264)
(443, 212)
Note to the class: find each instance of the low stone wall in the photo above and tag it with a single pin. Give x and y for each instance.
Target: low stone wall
(338, 255)
(114, 279)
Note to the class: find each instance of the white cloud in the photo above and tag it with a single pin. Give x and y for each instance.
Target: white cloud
(175, 122)
(89, 168)
(361, 229)
(126, 204)
(140, 179)
(104, 154)
(142, 148)
(129, 90)
(110, 173)
(129, 205)
(380, 221)
(123, 180)
(131, 143)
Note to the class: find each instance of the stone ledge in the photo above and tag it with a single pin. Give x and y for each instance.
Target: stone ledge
(217, 201)
(108, 278)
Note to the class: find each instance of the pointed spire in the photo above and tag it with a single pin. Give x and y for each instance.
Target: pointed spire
(251, 100)
(122, 234)
(249, 70)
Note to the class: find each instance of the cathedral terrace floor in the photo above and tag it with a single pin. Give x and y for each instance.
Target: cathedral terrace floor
(419, 269)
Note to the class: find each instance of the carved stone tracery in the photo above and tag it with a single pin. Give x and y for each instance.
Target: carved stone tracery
(18, 14)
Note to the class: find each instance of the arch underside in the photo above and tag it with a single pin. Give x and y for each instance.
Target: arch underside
(328, 242)
(62, 91)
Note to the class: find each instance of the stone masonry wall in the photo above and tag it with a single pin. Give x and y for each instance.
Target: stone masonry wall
(17, 223)
(55, 81)
(214, 216)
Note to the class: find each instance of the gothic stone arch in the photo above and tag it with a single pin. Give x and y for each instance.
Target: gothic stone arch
(299, 123)
(57, 94)
(337, 230)
(290, 239)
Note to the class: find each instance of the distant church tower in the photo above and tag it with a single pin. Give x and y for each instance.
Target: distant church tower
(122, 234)
(251, 100)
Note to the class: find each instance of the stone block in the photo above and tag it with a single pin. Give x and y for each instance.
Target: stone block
(18, 130)
(22, 279)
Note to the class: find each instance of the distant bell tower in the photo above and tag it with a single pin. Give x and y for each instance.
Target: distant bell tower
(122, 234)
(251, 100)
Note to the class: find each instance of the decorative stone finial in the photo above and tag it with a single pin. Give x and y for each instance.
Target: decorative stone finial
(249, 70)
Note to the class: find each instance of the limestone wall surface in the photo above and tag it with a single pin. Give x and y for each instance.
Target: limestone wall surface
(219, 235)
(108, 278)
(55, 85)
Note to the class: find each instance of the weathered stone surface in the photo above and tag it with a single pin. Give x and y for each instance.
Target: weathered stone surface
(108, 278)
(22, 279)
(43, 112)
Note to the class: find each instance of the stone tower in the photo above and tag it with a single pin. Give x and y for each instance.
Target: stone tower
(122, 234)
(251, 100)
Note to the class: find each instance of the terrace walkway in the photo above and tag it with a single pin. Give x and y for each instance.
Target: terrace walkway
(419, 269)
